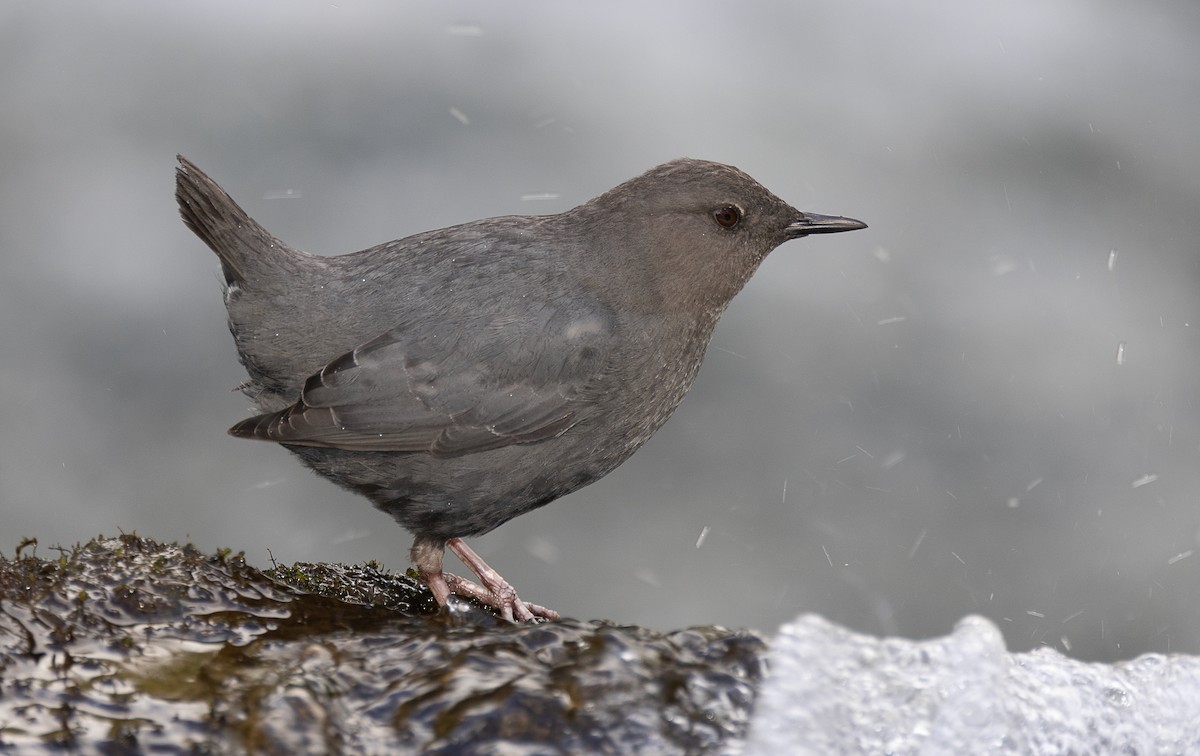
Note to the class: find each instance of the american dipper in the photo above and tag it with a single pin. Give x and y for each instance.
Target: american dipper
(460, 377)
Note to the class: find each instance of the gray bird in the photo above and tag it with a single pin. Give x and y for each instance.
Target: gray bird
(461, 377)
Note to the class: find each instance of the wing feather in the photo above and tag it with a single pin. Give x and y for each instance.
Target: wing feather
(400, 394)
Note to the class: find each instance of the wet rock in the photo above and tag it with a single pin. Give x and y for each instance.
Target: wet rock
(127, 645)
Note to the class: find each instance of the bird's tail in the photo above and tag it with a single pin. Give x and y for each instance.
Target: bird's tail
(247, 250)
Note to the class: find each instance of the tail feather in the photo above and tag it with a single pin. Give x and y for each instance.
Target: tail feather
(244, 247)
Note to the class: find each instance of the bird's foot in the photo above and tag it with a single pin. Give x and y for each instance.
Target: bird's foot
(499, 596)
(495, 591)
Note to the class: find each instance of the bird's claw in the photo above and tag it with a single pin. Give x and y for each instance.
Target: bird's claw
(495, 591)
(500, 596)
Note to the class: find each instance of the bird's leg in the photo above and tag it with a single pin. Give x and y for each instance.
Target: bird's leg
(427, 556)
(495, 592)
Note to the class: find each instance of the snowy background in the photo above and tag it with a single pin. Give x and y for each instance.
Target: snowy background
(985, 403)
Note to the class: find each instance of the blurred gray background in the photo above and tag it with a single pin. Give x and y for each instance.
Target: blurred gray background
(985, 403)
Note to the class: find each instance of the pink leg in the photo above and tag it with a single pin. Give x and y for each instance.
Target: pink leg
(495, 591)
(427, 556)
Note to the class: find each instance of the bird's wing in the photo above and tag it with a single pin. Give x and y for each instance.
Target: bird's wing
(510, 381)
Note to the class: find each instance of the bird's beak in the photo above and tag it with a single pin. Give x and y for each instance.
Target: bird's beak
(811, 223)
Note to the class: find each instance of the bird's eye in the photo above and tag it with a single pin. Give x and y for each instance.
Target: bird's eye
(727, 216)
